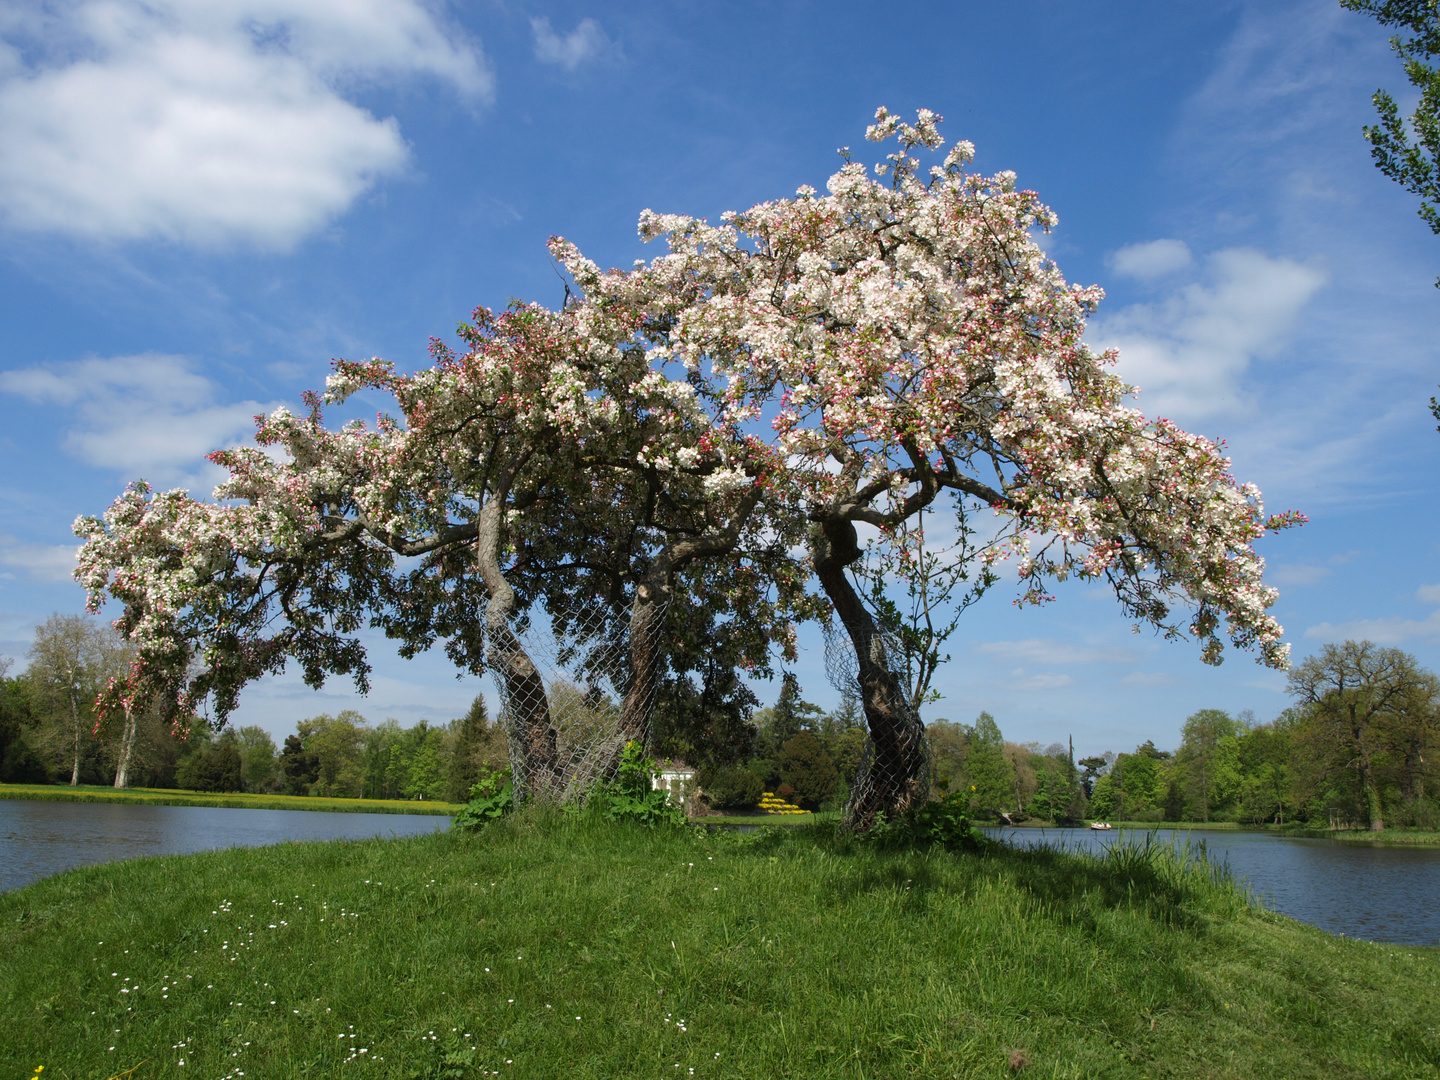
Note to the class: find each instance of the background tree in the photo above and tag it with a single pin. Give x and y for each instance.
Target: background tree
(212, 765)
(990, 772)
(1207, 762)
(1093, 768)
(949, 745)
(299, 766)
(790, 714)
(1409, 153)
(19, 762)
(809, 769)
(72, 659)
(1359, 701)
(336, 743)
(257, 757)
(477, 748)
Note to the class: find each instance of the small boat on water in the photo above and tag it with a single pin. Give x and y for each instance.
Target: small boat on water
(1101, 826)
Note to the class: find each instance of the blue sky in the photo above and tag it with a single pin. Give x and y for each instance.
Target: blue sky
(200, 205)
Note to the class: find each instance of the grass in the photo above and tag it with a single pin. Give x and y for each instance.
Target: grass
(242, 800)
(558, 947)
(767, 820)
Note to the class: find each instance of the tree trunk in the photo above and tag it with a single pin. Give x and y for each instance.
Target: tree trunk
(647, 655)
(895, 775)
(75, 722)
(127, 745)
(537, 769)
(1204, 791)
(1368, 792)
(1371, 795)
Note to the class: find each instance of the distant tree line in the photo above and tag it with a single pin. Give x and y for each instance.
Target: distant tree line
(1360, 746)
(49, 734)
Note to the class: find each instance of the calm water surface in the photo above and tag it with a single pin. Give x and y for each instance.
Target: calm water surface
(38, 839)
(1359, 890)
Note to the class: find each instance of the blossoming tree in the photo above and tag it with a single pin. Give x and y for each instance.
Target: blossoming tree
(845, 360)
(907, 338)
(543, 468)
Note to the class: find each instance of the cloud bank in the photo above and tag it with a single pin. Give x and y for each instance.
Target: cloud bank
(1190, 352)
(150, 416)
(208, 124)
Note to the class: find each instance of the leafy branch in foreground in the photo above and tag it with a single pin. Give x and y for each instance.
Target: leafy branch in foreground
(1412, 161)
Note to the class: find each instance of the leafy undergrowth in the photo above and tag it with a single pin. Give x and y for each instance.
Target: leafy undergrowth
(238, 799)
(549, 946)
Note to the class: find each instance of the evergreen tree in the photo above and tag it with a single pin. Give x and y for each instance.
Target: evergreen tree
(991, 774)
(808, 768)
(299, 766)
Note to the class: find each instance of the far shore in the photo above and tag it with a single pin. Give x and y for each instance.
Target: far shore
(1398, 836)
(234, 800)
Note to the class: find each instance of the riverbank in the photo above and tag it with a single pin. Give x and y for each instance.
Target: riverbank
(234, 800)
(550, 946)
(1402, 837)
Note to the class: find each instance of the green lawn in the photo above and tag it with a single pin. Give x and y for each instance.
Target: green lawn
(551, 946)
(170, 797)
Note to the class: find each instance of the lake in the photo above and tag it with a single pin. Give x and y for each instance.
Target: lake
(38, 839)
(1359, 890)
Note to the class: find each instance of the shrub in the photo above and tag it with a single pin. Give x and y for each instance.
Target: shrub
(490, 798)
(732, 788)
(208, 769)
(942, 821)
(632, 795)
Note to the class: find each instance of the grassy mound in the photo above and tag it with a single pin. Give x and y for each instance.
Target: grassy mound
(549, 947)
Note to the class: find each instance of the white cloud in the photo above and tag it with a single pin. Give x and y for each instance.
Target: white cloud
(209, 123)
(1190, 353)
(41, 562)
(1154, 259)
(150, 416)
(586, 42)
(1391, 630)
(1050, 651)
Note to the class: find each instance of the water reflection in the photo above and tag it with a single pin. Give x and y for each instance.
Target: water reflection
(38, 839)
(1356, 889)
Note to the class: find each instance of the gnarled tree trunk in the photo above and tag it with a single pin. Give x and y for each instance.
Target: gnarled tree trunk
(895, 775)
(532, 734)
(647, 656)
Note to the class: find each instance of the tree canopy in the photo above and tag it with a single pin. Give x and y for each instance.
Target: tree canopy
(662, 446)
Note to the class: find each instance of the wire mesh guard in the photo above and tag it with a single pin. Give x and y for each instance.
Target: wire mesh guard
(894, 772)
(574, 689)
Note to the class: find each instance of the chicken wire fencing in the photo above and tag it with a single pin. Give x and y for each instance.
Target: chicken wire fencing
(894, 773)
(569, 696)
